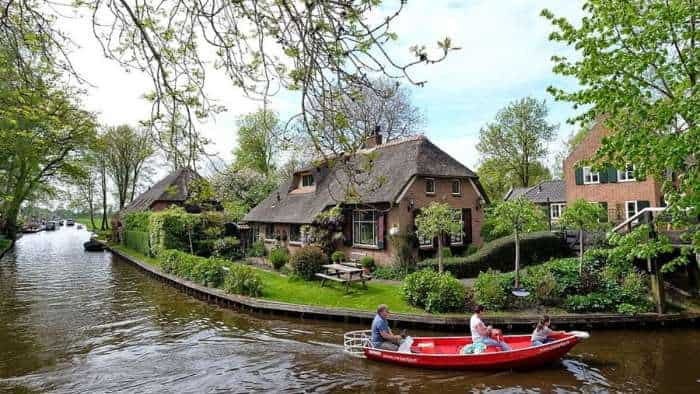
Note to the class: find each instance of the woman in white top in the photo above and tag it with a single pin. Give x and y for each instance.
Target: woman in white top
(482, 333)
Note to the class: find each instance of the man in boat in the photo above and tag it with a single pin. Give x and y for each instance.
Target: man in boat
(482, 333)
(382, 337)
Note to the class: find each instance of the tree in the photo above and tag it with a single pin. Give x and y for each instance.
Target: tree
(258, 142)
(437, 220)
(324, 50)
(637, 67)
(126, 151)
(42, 131)
(497, 180)
(582, 216)
(516, 217)
(241, 190)
(518, 138)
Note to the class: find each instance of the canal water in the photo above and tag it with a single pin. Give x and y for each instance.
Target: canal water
(78, 322)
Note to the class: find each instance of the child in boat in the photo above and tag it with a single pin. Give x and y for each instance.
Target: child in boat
(542, 332)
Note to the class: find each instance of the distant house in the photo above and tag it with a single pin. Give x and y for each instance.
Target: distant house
(550, 195)
(174, 189)
(415, 173)
(616, 189)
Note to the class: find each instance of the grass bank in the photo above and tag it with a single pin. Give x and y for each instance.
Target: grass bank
(4, 245)
(85, 220)
(278, 287)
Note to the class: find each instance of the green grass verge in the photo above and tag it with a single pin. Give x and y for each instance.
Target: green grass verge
(85, 220)
(4, 244)
(277, 287)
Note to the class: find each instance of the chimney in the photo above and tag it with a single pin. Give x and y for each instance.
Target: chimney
(375, 139)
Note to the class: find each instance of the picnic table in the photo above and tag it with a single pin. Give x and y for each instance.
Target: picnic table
(344, 274)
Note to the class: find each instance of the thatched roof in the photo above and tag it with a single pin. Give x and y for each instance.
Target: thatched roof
(173, 188)
(397, 162)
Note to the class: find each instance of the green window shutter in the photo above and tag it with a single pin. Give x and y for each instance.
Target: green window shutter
(604, 214)
(603, 175)
(612, 174)
(578, 172)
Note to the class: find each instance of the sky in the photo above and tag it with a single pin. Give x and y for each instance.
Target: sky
(505, 56)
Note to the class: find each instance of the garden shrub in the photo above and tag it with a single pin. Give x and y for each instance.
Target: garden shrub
(172, 228)
(542, 285)
(243, 280)
(209, 272)
(470, 250)
(446, 252)
(279, 257)
(138, 241)
(403, 244)
(227, 248)
(308, 261)
(591, 302)
(390, 272)
(368, 262)
(256, 249)
(338, 256)
(433, 291)
(500, 254)
(136, 221)
(491, 290)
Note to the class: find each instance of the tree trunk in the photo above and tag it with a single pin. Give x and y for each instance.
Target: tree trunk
(517, 260)
(440, 253)
(103, 173)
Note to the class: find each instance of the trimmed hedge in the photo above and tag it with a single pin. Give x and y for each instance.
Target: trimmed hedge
(500, 254)
(137, 221)
(137, 240)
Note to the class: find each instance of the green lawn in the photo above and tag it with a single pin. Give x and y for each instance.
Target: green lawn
(4, 244)
(277, 287)
(85, 220)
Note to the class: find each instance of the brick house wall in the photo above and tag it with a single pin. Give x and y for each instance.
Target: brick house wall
(614, 194)
(402, 215)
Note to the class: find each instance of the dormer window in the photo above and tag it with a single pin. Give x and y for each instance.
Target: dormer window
(307, 180)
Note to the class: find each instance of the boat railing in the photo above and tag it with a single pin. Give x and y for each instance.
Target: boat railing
(354, 342)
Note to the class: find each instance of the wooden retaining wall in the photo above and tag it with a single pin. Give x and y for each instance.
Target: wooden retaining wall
(431, 322)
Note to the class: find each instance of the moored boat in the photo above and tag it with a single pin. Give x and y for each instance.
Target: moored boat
(93, 246)
(445, 352)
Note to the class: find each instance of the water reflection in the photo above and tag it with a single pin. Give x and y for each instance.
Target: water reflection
(72, 321)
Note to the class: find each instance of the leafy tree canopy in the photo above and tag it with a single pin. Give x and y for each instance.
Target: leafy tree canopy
(638, 70)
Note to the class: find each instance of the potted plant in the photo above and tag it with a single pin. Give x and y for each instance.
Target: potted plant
(338, 257)
(367, 263)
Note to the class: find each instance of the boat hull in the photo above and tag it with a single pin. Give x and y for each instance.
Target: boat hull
(443, 353)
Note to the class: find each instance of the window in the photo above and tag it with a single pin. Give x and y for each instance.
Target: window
(269, 231)
(425, 242)
(429, 186)
(555, 211)
(364, 227)
(456, 187)
(307, 180)
(590, 176)
(295, 233)
(626, 175)
(457, 237)
(630, 209)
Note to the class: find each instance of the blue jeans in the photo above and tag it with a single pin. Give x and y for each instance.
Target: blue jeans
(540, 343)
(492, 342)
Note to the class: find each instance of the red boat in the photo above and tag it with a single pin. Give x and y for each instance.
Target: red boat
(444, 352)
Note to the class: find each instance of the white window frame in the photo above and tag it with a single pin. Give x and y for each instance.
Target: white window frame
(560, 210)
(459, 187)
(591, 174)
(425, 242)
(627, 175)
(356, 221)
(291, 241)
(269, 237)
(427, 181)
(627, 208)
(458, 237)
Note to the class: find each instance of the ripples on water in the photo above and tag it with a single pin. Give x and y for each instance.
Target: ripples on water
(76, 322)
